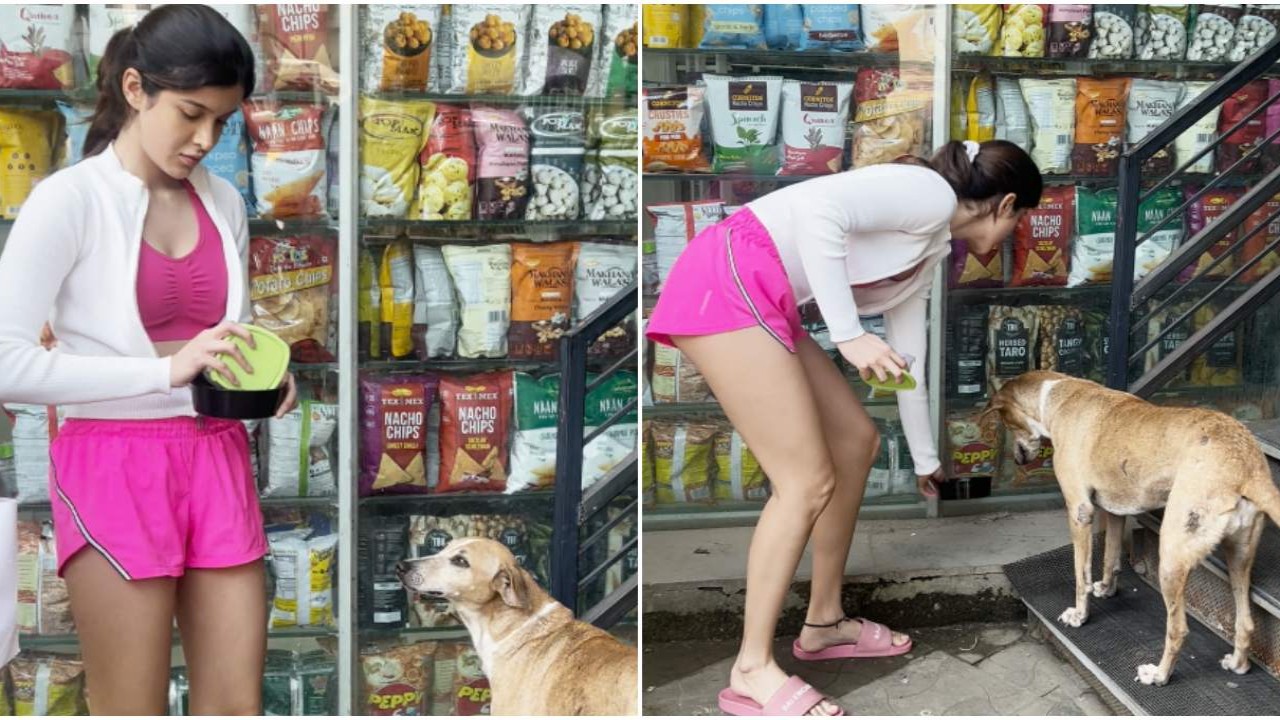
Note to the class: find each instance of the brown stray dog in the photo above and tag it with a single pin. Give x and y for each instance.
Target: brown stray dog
(539, 660)
(1122, 455)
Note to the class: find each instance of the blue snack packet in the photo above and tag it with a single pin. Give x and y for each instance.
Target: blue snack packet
(733, 26)
(783, 26)
(831, 27)
(76, 119)
(229, 159)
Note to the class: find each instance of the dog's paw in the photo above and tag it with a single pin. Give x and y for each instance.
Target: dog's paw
(1104, 590)
(1229, 663)
(1151, 675)
(1073, 617)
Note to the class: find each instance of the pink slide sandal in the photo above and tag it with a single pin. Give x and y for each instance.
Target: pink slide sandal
(795, 697)
(876, 641)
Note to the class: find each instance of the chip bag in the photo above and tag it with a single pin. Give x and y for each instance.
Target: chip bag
(392, 134)
(673, 129)
(446, 185)
(1051, 106)
(488, 46)
(26, 154)
(744, 122)
(730, 26)
(290, 285)
(474, 432)
(36, 46)
(1023, 34)
(1042, 238)
(975, 28)
(1100, 125)
(1258, 242)
(1204, 211)
(393, 433)
(295, 39)
(664, 25)
(683, 461)
(973, 270)
(396, 280)
(814, 117)
(289, 162)
(829, 27)
(889, 117)
(397, 42)
(1093, 249)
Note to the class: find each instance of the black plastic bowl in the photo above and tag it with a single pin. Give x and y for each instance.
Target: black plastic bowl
(212, 401)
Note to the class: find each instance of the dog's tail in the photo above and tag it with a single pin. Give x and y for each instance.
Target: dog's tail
(1264, 493)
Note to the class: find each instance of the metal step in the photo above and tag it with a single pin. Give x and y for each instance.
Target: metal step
(1127, 630)
(1210, 601)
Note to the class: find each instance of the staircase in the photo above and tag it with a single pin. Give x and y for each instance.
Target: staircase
(1148, 355)
(597, 581)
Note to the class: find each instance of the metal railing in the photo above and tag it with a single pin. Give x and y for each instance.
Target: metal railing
(576, 510)
(1132, 306)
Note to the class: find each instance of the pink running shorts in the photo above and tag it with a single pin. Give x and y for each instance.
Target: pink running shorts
(728, 278)
(156, 496)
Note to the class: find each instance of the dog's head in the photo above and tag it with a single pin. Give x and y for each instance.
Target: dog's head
(469, 573)
(1017, 405)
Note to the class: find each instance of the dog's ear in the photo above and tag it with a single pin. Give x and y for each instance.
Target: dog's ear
(990, 415)
(512, 585)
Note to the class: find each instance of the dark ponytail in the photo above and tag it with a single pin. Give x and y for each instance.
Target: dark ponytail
(174, 47)
(999, 168)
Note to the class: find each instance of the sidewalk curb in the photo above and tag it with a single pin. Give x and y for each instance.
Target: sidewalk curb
(713, 611)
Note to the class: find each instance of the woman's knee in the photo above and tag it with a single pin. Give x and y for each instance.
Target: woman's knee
(810, 489)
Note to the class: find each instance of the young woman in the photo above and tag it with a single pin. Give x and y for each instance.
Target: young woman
(863, 242)
(137, 257)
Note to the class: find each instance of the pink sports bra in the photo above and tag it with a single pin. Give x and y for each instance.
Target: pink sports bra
(179, 298)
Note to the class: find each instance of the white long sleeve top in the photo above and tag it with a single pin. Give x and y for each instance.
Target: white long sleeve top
(72, 259)
(862, 227)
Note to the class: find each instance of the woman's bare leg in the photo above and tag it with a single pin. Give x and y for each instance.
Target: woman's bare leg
(852, 442)
(126, 635)
(222, 615)
(764, 392)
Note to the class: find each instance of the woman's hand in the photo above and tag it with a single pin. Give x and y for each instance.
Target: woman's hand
(873, 356)
(928, 484)
(201, 354)
(290, 397)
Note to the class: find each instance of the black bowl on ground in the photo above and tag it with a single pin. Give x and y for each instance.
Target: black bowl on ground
(212, 401)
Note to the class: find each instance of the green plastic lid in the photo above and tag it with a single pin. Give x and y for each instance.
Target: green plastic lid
(891, 385)
(270, 362)
(6, 451)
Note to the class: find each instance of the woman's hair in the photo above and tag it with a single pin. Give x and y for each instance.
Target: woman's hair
(999, 168)
(174, 47)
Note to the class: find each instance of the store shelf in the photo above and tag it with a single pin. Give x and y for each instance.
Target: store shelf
(383, 230)
(1060, 294)
(446, 633)
(45, 508)
(713, 177)
(1180, 69)
(829, 61)
(540, 101)
(292, 226)
(427, 501)
(72, 640)
(456, 365)
(690, 516)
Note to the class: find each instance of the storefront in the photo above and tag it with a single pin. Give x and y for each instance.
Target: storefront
(459, 190)
(1072, 84)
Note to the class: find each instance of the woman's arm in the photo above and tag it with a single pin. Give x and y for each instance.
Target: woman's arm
(907, 329)
(874, 199)
(40, 253)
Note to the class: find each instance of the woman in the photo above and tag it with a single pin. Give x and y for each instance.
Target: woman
(137, 255)
(863, 242)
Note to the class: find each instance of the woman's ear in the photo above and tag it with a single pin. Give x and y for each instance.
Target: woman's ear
(131, 86)
(1008, 206)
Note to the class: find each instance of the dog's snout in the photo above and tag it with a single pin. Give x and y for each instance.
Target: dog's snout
(402, 568)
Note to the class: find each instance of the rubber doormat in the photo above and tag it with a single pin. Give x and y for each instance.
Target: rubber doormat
(1127, 630)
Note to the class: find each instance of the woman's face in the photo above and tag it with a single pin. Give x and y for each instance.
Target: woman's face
(177, 128)
(986, 231)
